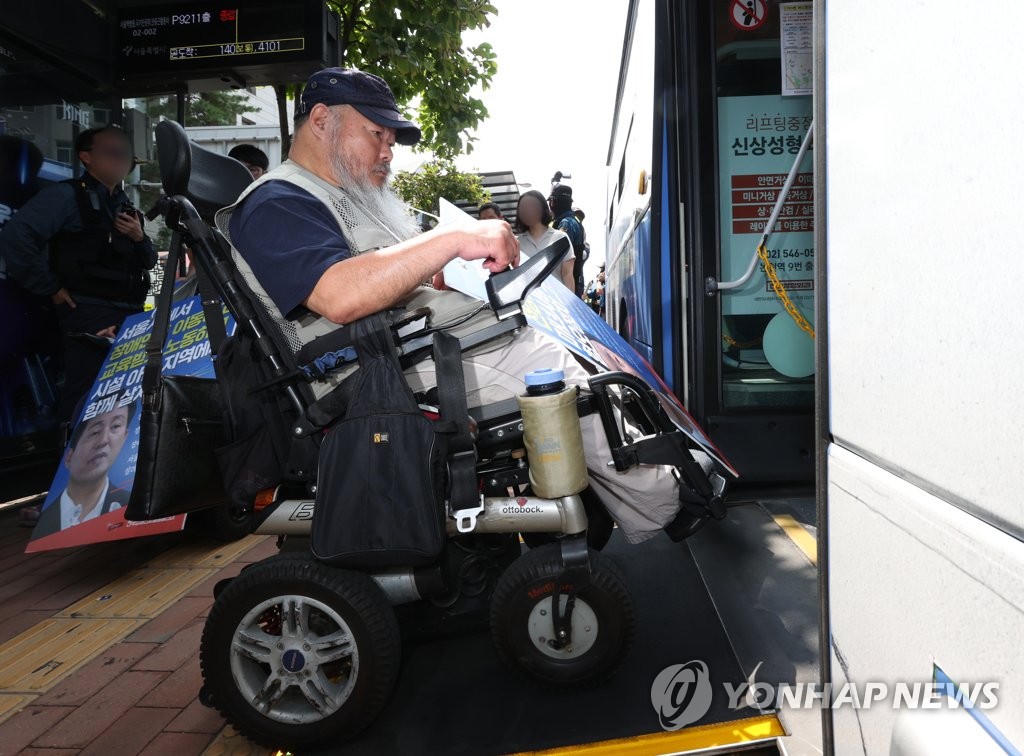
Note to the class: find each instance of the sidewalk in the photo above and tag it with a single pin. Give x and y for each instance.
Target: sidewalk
(99, 646)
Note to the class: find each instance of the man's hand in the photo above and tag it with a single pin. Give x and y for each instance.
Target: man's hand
(129, 225)
(108, 333)
(62, 297)
(491, 241)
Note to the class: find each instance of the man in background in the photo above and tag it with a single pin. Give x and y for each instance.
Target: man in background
(490, 211)
(252, 157)
(560, 203)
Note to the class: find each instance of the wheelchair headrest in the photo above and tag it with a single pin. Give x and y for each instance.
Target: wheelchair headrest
(208, 179)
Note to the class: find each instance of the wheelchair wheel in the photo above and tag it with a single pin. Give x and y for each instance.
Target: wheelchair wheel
(296, 653)
(603, 620)
(599, 525)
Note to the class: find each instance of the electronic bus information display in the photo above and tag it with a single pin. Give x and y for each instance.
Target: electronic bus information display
(182, 38)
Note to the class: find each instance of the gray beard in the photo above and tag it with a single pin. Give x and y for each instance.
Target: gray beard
(379, 202)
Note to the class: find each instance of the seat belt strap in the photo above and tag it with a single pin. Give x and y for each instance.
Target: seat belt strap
(451, 392)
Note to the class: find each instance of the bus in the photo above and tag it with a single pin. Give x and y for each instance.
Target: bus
(901, 402)
(708, 126)
(920, 547)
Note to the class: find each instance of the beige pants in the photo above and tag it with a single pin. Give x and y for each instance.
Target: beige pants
(641, 500)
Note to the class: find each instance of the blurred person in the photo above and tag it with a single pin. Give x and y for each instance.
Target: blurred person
(534, 233)
(252, 157)
(97, 270)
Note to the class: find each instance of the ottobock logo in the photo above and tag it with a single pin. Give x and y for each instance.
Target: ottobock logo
(303, 511)
(681, 694)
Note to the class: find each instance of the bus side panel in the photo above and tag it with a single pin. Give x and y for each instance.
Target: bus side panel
(926, 282)
(628, 297)
(916, 582)
(630, 272)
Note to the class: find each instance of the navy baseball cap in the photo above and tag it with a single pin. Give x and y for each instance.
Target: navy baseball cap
(368, 94)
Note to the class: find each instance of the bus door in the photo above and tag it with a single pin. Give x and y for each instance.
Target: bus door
(757, 346)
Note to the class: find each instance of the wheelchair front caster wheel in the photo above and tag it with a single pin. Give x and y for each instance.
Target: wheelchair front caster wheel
(296, 653)
(522, 626)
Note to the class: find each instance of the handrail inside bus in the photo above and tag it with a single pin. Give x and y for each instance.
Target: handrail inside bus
(710, 284)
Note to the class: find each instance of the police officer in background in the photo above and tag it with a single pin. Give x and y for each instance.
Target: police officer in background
(95, 270)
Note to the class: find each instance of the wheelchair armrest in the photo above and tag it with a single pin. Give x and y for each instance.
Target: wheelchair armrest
(507, 290)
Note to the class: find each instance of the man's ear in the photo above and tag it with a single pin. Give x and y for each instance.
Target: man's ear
(86, 157)
(319, 116)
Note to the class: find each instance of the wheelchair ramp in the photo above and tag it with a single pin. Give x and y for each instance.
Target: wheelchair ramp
(454, 696)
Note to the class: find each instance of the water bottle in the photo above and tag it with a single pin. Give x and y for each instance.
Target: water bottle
(551, 432)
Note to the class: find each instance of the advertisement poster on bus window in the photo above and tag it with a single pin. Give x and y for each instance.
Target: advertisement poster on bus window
(758, 140)
(86, 500)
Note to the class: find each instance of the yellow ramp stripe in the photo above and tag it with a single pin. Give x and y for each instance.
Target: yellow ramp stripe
(798, 535)
(690, 739)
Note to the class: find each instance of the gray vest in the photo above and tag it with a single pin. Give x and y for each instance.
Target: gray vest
(362, 234)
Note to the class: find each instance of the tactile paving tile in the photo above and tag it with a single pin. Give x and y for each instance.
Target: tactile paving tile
(40, 657)
(141, 593)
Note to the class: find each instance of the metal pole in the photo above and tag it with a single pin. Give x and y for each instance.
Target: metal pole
(180, 100)
(822, 413)
(711, 284)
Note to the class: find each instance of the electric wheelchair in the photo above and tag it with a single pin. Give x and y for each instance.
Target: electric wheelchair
(299, 652)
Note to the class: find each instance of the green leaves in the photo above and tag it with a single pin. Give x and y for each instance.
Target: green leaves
(438, 178)
(203, 108)
(416, 46)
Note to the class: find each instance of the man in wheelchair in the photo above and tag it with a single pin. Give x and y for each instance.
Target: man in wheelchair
(323, 241)
(301, 651)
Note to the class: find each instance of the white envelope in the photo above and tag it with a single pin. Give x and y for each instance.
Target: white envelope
(467, 276)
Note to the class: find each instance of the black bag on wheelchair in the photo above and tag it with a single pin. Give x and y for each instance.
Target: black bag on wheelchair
(261, 450)
(180, 425)
(380, 485)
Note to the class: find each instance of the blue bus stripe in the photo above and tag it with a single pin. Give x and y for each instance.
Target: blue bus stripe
(986, 724)
(668, 300)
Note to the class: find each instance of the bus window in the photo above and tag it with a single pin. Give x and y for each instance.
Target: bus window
(767, 360)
